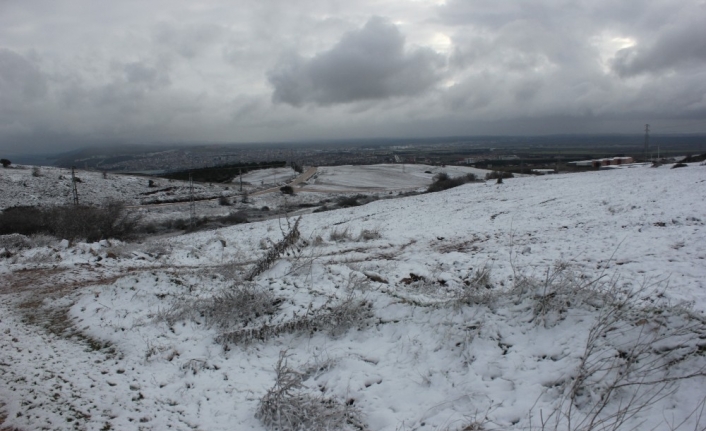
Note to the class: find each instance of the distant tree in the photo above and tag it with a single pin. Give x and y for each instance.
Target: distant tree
(223, 200)
(287, 190)
(5, 163)
(297, 167)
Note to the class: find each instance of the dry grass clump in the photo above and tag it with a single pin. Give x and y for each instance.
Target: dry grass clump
(344, 234)
(477, 289)
(288, 407)
(369, 235)
(340, 235)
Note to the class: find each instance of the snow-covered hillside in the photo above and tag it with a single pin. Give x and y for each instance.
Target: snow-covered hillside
(489, 306)
(26, 185)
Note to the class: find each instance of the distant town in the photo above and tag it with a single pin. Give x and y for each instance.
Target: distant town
(518, 154)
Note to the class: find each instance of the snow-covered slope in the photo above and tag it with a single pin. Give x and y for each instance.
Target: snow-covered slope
(382, 177)
(473, 305)
(25, 185)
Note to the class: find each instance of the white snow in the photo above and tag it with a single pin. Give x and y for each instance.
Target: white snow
(383, 177)
(86, 345)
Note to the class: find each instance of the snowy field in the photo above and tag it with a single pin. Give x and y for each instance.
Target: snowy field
(381, 177)
(169, 199)
(20, 185)
(514, 306)
(267, 177)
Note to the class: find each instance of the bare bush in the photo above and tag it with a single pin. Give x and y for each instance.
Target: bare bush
(236, 217)
(555, 293)
(442, 181)
(24, 220)
(477, 289)
(228, 309)
(224, 201)
(15, 242)
(498, 175)
(334, 317)
(349, 201)
(111, 220)
(288, 407)
(277, 249)
(632, 352)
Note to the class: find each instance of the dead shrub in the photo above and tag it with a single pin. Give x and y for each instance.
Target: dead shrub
(495, 175)
(335, 317)
(273, 254)
(442, 181)
(92, 223)
(228, 309)
(288, 407)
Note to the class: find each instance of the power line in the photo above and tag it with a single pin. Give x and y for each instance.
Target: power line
(74, 190)
(192, 203)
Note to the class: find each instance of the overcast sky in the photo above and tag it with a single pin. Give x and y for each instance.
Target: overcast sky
(83, 72)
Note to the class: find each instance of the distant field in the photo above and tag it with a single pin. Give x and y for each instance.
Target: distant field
(268, 176)
(381, 177)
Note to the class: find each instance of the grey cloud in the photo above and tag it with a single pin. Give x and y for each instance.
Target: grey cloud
(20, 80)
(367, 64)
(682, 44)
(151, 76)
(187, 41)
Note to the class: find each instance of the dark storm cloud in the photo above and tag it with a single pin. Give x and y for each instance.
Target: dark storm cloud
(367, 64)
(81, 71)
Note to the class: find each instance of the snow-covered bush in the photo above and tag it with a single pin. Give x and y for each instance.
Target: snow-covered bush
(287, 406)
(335, 317)
(229, 309)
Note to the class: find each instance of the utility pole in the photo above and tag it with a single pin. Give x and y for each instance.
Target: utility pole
(241, 179)
(192, 204)
(647, 141)
(74, 191)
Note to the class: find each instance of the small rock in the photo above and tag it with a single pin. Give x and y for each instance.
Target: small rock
(527, 250)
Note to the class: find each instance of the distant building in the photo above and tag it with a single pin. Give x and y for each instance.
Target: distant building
(597, 163)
